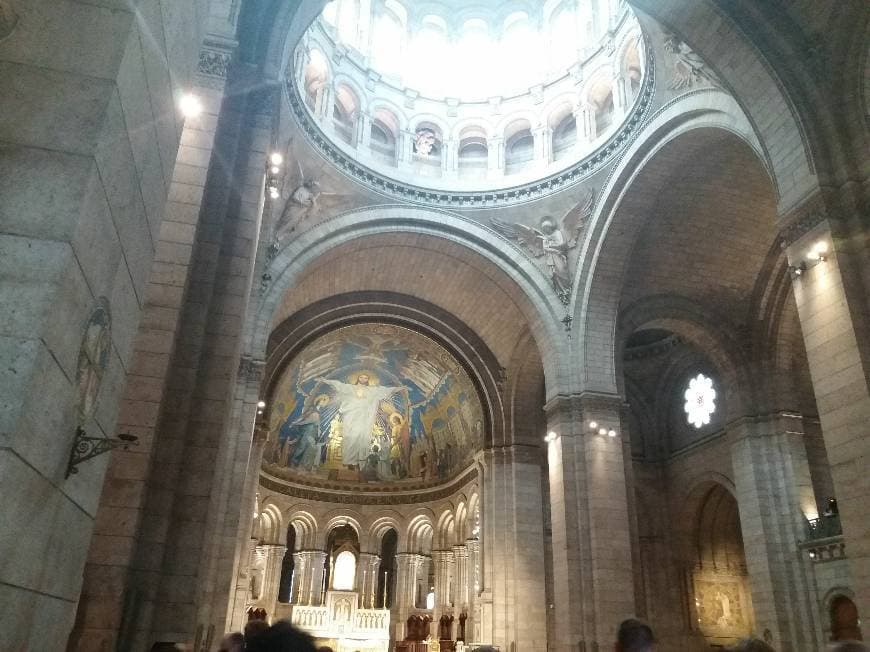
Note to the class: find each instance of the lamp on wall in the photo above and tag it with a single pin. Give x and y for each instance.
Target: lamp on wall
(86, 447)
(273, 169)
(551, 437)
(600, 429)
(818, 254)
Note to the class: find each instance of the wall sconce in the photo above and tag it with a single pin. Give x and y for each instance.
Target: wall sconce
(551, 437)
(818, 254)
(85, 447)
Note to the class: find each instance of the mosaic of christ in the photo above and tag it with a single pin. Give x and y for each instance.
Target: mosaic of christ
(374, 403)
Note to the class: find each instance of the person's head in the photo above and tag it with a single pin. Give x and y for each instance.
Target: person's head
(232, 642)
(751, 645)
(848, 646)
(634, 635)
(282, 637)
(254, 628)
(362, 379)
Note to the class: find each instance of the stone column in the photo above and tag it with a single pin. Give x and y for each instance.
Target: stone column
(272, 576)
(586, 128)
(474, 586)
(834, 310)
(543, 137)
(449, 160)
(443, 562)
(460, 577)
(495, 156)
(301, 571)
(326, 95)
(513, 524)
(621, 97)
(407, 567)
(774, 493)
(593, 582)
(363, 129)
(311, 586)
(367, 578)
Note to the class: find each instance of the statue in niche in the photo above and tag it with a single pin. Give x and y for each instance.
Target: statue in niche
(689, 69)
(552, 239)
(424, 142)
(93, 359)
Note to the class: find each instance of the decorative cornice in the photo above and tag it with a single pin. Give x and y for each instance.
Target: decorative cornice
(798, 227)
(384, 185)
(355, 494)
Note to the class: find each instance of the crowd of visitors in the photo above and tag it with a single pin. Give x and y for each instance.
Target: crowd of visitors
(633, 635)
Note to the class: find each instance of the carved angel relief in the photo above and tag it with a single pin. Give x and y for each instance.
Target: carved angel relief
(688, 68)
(552, 239)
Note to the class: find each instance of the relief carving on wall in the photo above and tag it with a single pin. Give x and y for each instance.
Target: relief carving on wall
(688, 68)
(552, 240)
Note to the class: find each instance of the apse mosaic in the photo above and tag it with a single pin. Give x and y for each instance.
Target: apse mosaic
(373, 403)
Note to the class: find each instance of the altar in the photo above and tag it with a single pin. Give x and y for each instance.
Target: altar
(342, 625)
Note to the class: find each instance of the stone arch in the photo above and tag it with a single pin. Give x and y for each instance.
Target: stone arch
(688, 122)
(521, 277)
(306, 527)
(744, 71)
(699, 325)
(466, 124)
(840, 615)
(380, 525)
(338, 518)
(444, 529)
(419, 533)
(272, 528)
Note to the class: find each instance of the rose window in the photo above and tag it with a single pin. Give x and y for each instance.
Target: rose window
(700, 401)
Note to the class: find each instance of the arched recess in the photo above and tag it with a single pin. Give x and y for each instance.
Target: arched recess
(452, 245)
(679, 132)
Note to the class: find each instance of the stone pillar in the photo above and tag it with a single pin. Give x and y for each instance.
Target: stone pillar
(513, 524)
(586, 128)
(300, 578)
(367, 578)
(443, 562)
(834, 310)
(495, 156)
(774, 494)
(311, 584)
(449, 159)
(543, 137)
(472, 625)
(272, 576)
(593, 582)
(326, 101)
(363, 129)
(621, 97)
(460, 577)
(407, 568)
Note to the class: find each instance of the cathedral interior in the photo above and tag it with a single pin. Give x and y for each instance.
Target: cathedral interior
(433, 325)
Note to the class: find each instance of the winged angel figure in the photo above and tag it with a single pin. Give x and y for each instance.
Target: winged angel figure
(301, 202)
(553, 239)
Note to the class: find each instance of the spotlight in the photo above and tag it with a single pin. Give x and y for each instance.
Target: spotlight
(273, 193)
(611, 433)
(602, 431)
(275, 169)
(551, 436)
(818, 251)
(593, 425)
(276, 158)
(261, 404)
(190, 105)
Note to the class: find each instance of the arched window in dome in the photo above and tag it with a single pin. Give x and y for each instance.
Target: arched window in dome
(384, 129)
(518, 39)
(344, 113)
(564, 128)
(631, 68)
(388, 37)
(519, 146)
(564, 41)
(600, 98)
(316, 79)
(344, 571)
(475, 58)
(349, 22)
(426, 70)
(473, 154)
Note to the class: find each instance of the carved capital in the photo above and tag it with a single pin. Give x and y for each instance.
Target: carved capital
(250, 369)
(214, 62)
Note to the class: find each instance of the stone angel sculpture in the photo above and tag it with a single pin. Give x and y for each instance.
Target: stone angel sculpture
(552, 239)
(301, 204)
(689, 68)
